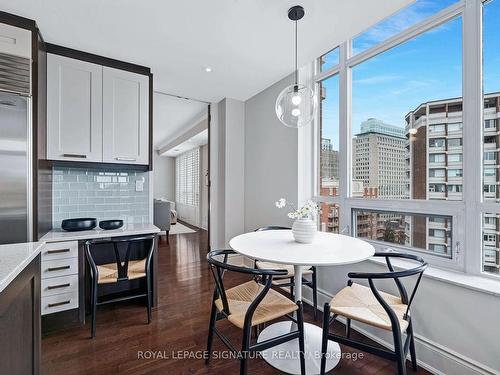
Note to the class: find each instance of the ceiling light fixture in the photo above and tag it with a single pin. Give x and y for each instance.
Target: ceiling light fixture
(296, 104)
(208, 69)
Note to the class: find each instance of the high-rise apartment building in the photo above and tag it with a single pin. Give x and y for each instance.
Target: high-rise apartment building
(379, 158)
(329, 161)
(434, 171)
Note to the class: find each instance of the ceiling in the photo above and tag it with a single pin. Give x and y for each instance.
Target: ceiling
(247, 43)
(172, 116)
(197, 140)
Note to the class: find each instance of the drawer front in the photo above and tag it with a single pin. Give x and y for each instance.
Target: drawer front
(59, 285)
(60, 250)
(59, 267)
(59, 302)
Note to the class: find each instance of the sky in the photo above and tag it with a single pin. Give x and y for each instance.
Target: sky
(426, 68)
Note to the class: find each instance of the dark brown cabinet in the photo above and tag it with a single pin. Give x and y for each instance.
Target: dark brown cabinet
(20, 323)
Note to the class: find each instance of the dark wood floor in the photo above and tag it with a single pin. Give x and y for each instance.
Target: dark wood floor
(125, 343)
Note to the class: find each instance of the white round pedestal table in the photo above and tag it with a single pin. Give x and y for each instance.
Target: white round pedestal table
(327, 249)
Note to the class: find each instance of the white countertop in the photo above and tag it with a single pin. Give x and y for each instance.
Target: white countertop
(57, 235)
(14, 258)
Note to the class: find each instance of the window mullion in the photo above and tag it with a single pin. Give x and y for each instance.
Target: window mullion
(472, 132)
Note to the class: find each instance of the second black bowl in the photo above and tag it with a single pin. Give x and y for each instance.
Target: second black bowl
(110, 224)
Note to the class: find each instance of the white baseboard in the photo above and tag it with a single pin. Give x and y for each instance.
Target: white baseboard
(432, 356)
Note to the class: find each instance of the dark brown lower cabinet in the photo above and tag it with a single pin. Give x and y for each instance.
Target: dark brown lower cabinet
(20, 323)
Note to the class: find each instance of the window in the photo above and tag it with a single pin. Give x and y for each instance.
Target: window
(437, 142)
(454, 188)
(187, 172)
(437, 188)
(330, 59)
(329, 218)
(436, 128)
(329, 133)
(490, 124)
(490, 188)
(437, 158)
(455, 142)
(392, 91)
(404, 229)
(436, 172)
(454, 127)
(489, 172)
(403, 19)
(490, 156)
(454, 173)
(454, 158)
(407, 154)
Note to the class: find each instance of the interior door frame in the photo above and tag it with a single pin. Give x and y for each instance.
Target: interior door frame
(209, 118)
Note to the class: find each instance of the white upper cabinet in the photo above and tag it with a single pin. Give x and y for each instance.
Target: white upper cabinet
(15, 41)
(74, 109)
(125, 117)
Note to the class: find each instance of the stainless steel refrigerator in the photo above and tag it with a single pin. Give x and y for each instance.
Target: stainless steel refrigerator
(15, 168)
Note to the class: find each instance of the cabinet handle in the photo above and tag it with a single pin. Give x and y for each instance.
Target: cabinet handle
(81, 156)
(50, 287)
(57, 251)
(59, 303)
(58, 268)
(126, 159)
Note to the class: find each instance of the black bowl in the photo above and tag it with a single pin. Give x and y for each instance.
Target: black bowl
(73, 225)
(111, 224)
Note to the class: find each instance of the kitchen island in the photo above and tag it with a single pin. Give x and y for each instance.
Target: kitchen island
(20, 308)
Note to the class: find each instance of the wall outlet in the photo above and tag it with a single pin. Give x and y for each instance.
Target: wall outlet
(139, 185)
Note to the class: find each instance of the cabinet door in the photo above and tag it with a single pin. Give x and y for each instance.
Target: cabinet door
(15, 41)
(74, 109)
(125, 117)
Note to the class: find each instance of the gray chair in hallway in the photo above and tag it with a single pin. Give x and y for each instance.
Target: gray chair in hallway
(162, 216)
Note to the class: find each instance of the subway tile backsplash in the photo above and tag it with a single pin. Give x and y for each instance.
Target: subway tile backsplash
(85, 192)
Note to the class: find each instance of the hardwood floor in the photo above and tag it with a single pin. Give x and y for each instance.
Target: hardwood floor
(125, 344)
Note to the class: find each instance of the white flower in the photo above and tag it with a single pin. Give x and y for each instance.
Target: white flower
(281, 203)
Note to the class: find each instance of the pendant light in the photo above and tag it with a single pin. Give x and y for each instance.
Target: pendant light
(296, 104)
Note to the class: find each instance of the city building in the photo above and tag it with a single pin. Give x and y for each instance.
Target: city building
(434, 171)
(329, 160)
(379, 158)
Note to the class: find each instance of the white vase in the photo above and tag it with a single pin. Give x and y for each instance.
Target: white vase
(304, 230)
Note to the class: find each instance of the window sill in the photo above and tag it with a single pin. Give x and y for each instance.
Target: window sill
(482, 284)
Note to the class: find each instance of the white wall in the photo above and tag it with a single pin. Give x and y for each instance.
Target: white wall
(271, 164)
(227, 147)
(163, 177)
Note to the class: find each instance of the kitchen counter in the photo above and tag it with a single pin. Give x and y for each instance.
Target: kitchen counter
(14, 258)
(57, 235)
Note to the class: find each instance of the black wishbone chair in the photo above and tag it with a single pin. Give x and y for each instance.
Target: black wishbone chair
(122, 270)
(382, 310)
(278, 281)
(248, 305)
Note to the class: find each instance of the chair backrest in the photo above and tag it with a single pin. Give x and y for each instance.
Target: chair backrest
(271, 227)
(417, 271)
(219, 266)
(121, 262)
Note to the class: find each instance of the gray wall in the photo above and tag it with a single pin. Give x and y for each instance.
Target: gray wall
(103, 194)
(164, 177)
(271, 167)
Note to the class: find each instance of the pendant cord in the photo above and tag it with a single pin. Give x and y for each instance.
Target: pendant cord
(296, 55)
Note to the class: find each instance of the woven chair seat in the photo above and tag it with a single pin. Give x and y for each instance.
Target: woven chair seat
(357, 302)
(108, 273)
(273, 306)
(277, 266)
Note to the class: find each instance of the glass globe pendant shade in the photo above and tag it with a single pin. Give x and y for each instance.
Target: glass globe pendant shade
(296, 105)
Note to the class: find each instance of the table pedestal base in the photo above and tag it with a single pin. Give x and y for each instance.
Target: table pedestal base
(285, 357)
